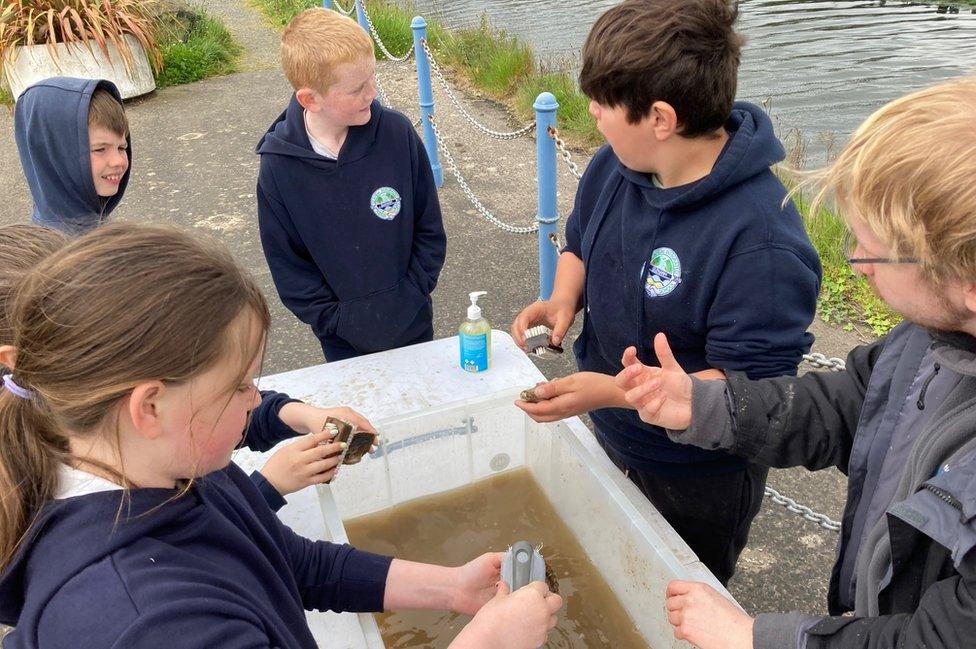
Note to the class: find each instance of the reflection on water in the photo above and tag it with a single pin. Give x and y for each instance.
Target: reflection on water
(827, 64)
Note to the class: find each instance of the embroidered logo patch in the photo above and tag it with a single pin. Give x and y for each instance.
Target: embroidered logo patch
(385, 203)
(664, 273)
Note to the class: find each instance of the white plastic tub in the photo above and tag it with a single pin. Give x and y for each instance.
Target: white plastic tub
(453, 442)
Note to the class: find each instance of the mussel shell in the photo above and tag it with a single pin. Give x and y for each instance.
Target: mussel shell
(551, 580)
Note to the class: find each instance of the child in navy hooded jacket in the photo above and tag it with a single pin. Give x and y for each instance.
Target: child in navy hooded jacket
(679, 226)
(348, 212)
(75, 150)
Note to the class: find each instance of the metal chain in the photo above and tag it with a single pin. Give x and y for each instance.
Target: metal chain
(379, 89)
(822, 520)
(498, 135)
(820, 361)
(564, 152)
(344, 12)
(379, 41)
(514, 229)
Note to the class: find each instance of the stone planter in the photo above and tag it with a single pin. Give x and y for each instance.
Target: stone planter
(33, 63)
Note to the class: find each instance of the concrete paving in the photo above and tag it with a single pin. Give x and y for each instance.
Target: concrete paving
(194, 166)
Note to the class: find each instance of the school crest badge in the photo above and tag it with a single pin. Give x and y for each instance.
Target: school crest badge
(664, 273)
(385, 203)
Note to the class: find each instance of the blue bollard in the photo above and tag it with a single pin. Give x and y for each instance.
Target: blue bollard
(419, 26)
(327, 4)
(361, 17)
(545, 151)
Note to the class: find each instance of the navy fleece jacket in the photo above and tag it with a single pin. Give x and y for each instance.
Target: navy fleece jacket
(720, 265)
(264, 430)
(51, 129)
(211, 569)
(355, 245)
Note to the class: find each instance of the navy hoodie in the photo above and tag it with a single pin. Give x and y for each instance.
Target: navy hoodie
(355, 245)
(51, 129)
(264, 430)
(211, 569)
(719, 265)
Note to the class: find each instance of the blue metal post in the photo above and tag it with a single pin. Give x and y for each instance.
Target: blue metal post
(545, 151)
(361, 16)
(419, 26)
(327, 4)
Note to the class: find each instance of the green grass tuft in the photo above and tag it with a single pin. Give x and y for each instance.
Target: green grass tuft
(194, 47)
(846, 299)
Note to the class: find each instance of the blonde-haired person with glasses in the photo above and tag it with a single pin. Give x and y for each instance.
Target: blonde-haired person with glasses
(900, 421)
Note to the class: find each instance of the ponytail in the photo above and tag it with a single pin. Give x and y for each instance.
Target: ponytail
(30, 454)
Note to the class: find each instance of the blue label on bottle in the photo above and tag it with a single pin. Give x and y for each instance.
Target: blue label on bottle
(474, 352)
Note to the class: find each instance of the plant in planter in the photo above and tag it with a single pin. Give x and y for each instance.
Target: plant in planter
(110, 39)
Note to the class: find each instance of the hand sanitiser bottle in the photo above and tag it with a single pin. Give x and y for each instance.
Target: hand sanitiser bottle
(475, 338)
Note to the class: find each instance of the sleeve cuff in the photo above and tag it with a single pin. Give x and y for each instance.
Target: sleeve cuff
(271, 496)
(781, 630)
(711, 419)
(364, 582)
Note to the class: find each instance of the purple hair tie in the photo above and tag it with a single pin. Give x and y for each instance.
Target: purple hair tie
(8, 382)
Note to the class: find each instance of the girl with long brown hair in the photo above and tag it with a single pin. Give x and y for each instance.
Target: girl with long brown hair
(123, 522)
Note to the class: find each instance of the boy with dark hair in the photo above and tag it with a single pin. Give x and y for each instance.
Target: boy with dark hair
(73, 139)
(678, 226)
(348, 211)
(898, 421)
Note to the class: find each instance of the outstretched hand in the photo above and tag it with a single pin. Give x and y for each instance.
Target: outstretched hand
(661, 395)
(572, 395)
(706, 619)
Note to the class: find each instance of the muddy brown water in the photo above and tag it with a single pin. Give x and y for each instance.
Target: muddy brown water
(454, 527)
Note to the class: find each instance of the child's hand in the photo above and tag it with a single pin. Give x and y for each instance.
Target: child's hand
(661, 395)
(519, 620)
(305, 418)
(706, 619)
(476, 581)
(558, 316)
(572, 395)
(303, 463)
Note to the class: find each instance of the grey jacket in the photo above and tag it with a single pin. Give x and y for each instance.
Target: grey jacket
(916, 571)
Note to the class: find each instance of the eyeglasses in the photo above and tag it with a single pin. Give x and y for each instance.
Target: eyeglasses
(850, 243)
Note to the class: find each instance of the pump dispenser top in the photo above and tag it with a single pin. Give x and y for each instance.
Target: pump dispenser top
(474, 311)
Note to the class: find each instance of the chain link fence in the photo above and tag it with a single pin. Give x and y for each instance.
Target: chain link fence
(462, 183)
(344, 12)
(379, 41)
(490, 132)
(822, 520)
(564, 152)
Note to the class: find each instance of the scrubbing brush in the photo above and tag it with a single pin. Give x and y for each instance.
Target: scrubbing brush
(538, 341)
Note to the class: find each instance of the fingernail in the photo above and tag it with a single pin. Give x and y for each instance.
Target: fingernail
(343, 445)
